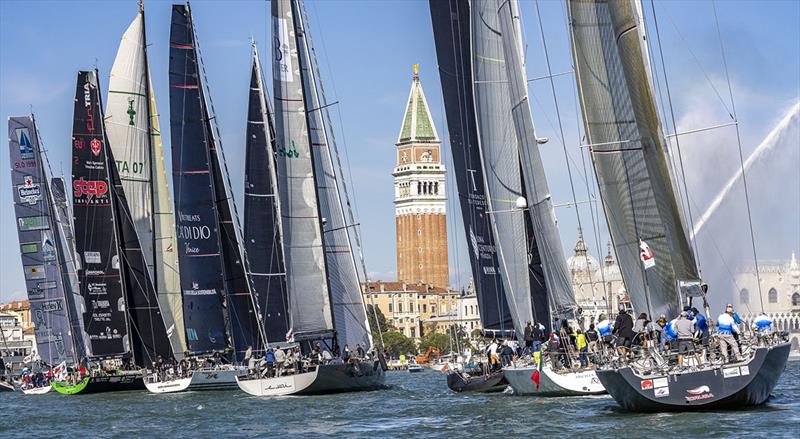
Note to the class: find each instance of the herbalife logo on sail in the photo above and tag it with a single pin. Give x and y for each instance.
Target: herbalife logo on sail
(131, 112)
(292, 153)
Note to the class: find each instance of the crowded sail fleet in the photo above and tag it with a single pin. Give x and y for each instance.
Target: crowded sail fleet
(135, 287)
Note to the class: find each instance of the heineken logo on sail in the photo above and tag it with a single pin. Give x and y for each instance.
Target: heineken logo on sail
(29, 192)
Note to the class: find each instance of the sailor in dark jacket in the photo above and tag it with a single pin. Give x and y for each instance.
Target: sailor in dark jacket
(623, 329)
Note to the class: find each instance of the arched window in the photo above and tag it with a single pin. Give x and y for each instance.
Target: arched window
(744, 296)
(390, 307)
(796, 299)
(773, 295)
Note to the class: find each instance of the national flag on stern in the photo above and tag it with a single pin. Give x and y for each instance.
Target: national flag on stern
(646, 253)
(537, 356)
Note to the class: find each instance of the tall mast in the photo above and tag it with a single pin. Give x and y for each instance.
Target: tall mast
(153, 237)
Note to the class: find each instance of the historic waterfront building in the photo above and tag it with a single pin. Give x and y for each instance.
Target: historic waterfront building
(419, 196)
(780, 286)
(597, 289)
(407, 306)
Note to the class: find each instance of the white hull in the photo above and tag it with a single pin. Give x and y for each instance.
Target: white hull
(330, 378)
(37, 390)
(201, 379)
(551, 383)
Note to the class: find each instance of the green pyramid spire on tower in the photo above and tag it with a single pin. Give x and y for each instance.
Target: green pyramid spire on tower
(417, 121)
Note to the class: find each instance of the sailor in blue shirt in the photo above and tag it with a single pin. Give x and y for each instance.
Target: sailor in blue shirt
(762, 324)
(726, 328)
(668, 334)
(701, 324)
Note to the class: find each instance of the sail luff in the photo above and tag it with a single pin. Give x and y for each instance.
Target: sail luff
(500, 158)
(39, 245)
(451, 30)
(539, 202)
(349, 313)
(262, 222)
(306, 271)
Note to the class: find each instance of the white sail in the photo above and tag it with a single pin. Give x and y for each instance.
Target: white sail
(306, 271)
(500, 156)
(136, 144)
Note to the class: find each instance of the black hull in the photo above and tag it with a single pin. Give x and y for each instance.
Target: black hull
(725, 387)
(346, 378)
(494, 382)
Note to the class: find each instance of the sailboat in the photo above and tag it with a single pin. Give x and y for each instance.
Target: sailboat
(647, 228)
(220, 310)
(479, 51)
(326, 309)
(122, 319)
(47, 260)
(135, 139)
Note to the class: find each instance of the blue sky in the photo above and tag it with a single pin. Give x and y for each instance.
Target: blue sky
(367, 50)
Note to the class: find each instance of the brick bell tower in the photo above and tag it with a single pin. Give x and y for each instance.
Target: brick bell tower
(419, 196)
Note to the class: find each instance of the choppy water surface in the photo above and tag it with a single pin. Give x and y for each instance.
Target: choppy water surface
(416, 405)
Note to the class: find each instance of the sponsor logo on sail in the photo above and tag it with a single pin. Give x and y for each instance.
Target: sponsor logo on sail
(34, 272)
(96, 146)
(48, 249)
(87, 103)
(25, 145)
(28, 223)
(647, 256)
(96, 189)
(290, 153)
(52, 305)
(92, 257)
(196, 291)
(131, 112)
(29, 192)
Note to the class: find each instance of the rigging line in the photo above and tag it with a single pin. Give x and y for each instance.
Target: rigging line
(561, 131)
(693, 239)
(741, 156)
(699, 64)
(593, 207)
(356, 234)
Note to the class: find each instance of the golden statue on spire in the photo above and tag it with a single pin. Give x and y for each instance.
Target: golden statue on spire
(416, 70)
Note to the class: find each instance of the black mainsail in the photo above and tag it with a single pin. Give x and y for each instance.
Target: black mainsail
(218, 298)
(43, 259)
(122, 318)
(262, 227)
(451, 32)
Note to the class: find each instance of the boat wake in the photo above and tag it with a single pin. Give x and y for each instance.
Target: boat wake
(776, 137)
